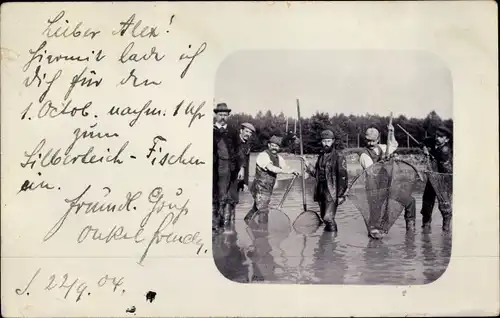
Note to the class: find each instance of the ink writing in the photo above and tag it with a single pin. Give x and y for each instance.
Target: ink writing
(70, 287)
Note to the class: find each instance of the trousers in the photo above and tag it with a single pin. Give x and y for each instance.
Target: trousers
(328, 210)
(221, 193)
(429, 200)
(233, 192)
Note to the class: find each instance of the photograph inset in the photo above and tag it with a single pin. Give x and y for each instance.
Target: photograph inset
(332, 167)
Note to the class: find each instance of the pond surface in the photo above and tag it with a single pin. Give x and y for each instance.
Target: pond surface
(277, 252)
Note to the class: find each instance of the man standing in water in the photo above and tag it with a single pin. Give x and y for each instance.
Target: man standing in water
(268, 165)
(331, 176)
(440, 150)
(239, 177)
(375, 152)
(225, 142)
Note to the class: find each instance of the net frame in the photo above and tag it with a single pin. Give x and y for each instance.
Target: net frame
(377, 198)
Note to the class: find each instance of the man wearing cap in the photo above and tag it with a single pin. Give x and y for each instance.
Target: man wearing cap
(225, 160)
(331, 176)
(239, 177)
(375, 152)
(440, 151)
(268, 165)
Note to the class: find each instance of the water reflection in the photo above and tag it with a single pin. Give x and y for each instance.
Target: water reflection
(229, 257)
(329, 264)
(263, 265)
(279, 253)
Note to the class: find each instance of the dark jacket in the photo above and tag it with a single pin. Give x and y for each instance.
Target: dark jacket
(441, 157)
(336, 174)
(230, 136)
(243, 160)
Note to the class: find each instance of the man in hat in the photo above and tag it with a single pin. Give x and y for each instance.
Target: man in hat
(239, 177)
(331, 176)
(225, 159)
(268, 165)
(375, 152)
(440, 151)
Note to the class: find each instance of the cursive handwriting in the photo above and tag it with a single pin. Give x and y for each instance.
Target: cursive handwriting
(117, 233)
(91, 207)
(68, 283)
(189, 110)
(172, 159)
(84, 81)
(31, 186)
(145, 32)
(59, 63)
(79, 134)
(135, 79)
(39, 78)
(175, 212)
(126, 56)
(63, 30)
(47, 109)
(51, 157)
(40, 55)
(146, 110)
(191, 58)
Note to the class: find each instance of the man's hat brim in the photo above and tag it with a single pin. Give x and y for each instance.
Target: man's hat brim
(228, 110)
(444, 131)
(222, 107)
(249, 126)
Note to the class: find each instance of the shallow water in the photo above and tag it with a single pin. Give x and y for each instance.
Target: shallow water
(277, 252)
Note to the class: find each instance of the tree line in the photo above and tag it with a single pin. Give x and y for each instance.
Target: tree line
(349, 130)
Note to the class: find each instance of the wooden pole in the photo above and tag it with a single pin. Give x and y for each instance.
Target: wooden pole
(389, 137)
(302, 161)
(358, 140)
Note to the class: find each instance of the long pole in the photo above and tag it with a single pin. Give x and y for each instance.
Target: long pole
(409, 135)
(389, 138)
(301, 161)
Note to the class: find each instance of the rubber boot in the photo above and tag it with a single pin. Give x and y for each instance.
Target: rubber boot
(215, 219)
(228, 219)
(329, 216)
(221, 211)
(446, 223)
(331, 226)
(410, 225)
(250, 215)
(426, 222)
(410, 215)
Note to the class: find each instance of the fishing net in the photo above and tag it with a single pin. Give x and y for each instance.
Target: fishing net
(443, 186)
(382, 191)
(307, 223)
(273, 219)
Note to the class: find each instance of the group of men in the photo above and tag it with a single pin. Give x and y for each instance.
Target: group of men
(231, 153)
(231, 157)
(438, 151)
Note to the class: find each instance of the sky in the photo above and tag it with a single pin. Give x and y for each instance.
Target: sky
(409, 83)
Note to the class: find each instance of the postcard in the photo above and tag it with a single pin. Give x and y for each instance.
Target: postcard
(165, 159)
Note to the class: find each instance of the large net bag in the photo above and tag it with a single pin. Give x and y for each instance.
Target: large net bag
(382, 191)
(443, 186)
